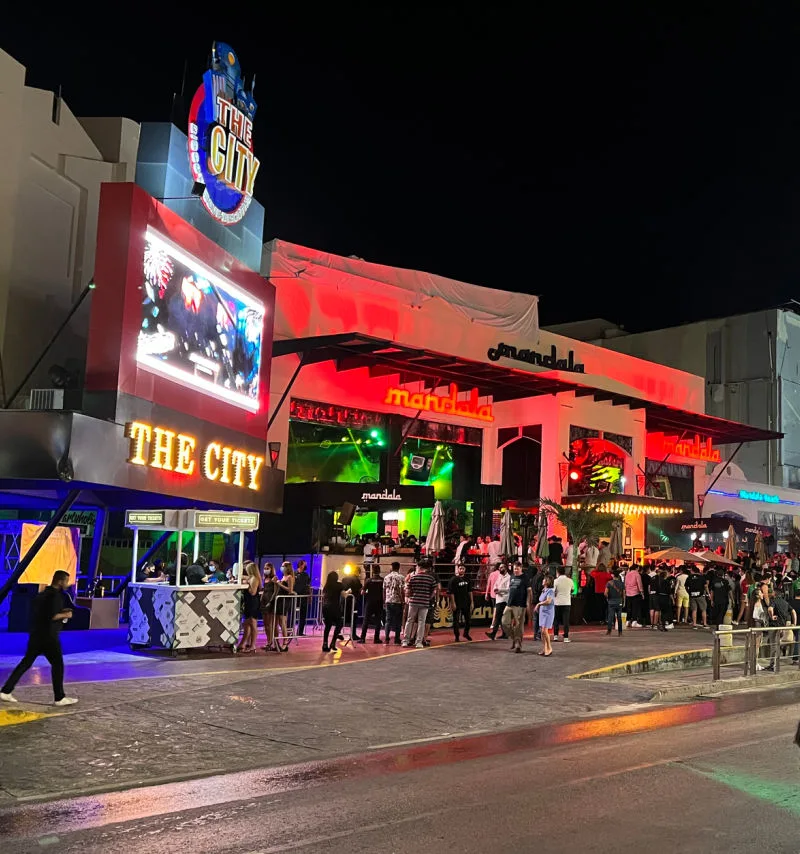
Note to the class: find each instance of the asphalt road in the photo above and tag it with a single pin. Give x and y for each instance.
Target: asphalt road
(712, 776)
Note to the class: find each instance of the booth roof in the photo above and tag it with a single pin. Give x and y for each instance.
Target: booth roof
(384, 357)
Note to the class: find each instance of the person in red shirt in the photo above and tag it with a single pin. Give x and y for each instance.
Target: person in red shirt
(601, 577)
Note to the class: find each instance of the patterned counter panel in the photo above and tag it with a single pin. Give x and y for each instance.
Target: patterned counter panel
(174, 618)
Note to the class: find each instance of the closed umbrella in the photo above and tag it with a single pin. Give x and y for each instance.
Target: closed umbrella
(508, 547)
(761, 549)
(615, 545)
(731, 546)
(435, 539)
(542, 543)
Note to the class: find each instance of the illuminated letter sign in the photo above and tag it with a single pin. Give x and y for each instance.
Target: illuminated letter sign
(747, 495)
(445, 405)
(532, 357)
(221, 138)
(697, 448)
(161, 448)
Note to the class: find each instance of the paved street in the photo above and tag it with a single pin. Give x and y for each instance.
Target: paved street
(148, 720)
(714, 776)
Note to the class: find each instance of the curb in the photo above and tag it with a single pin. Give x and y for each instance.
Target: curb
(676, 693)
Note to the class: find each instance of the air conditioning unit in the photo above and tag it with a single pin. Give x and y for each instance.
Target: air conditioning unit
(46, 398)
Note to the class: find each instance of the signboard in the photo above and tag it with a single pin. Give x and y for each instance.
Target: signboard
(450, 404)
(552, 360)
(219, 520)
(161, 448)
(377, 496)
(84, 520)
(697, 447)
(329, 413)
(221, 154)
(142, 518)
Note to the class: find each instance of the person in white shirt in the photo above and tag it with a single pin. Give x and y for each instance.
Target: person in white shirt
(590, 557)
(464, 544)
(500, 589)
(563, 600)
(569, 555)
(495, 551)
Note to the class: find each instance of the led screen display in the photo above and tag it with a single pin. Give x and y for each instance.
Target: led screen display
(197, 328)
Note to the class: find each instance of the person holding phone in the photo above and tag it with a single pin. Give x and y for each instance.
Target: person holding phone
(51, 609)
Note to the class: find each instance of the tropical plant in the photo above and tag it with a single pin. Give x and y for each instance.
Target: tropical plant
(794, 540)
(585, 522)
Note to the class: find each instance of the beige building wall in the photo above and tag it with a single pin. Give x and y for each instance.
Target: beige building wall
(49, 195)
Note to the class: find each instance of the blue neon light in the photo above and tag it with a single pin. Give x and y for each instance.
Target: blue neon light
(748, 495)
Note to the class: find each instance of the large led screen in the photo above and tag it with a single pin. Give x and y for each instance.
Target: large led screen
(198, 328)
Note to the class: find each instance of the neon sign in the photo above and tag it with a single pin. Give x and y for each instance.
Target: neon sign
(542, 360)
(747, 495)
(445, 405)
(168, 450)
(221, 138)
(698, 448)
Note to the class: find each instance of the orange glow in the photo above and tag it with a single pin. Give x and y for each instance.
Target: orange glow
(450, 405)
(699, 448)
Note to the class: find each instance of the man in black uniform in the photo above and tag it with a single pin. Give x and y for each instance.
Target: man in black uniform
(460, 591)
(51, 609)
(302, 587)
(373, 604)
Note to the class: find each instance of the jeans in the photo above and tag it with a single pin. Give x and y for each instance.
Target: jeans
(514, 623)
(302, 604)
(634, 604)
(416, 614)
(461, 611)
(561, 619)
(50, 648)
(394, 619)
(497, 622)
(615, 615)
(372, 614)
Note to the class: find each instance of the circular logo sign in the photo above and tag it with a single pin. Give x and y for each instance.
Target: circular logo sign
(221, 138)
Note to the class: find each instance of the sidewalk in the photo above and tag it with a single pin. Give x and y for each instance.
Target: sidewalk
(144, 719)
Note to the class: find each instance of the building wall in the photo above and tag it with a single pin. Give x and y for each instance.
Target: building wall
(49, 195)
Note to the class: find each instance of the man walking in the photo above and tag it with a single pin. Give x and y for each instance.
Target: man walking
(615, 595)
(562, 589)
(393, 588)
(51, 609)
(460, 591)
(420, 592)
(520, 597)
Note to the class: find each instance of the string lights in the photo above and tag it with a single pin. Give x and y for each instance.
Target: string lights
(625, 508)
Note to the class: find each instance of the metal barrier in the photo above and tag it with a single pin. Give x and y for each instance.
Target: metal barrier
(314, 619)
(753, 644)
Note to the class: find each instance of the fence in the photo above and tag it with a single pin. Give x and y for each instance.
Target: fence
(780, 642)
(290, 605)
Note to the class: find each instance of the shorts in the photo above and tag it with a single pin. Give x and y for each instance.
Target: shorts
(655, 602)
(682, 599)
(698, 603)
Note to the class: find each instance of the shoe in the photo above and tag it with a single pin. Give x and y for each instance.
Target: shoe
(334, 649)
(8, 698)
(66, 701)
(518, 649)
(326, 649)
(608, 631)
(556, 638)
(620, 634)
(513, 648)
(489, 635)
(669, 626)
(567, 640)
(467, 637)
(397, 642)
(458, 639)
(419, 646)
(426, 643)
(405, 644)
(301, 634)
(636, 625)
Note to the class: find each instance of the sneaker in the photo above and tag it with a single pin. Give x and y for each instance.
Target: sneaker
(489, 635)
(66, 701)
(8, 698)
(556, 638)
(670, 626)
(457, 639)
(467, 637)
(404, 643)
(326, 649)
(636, 625)
(419, 646)
(567, 640)
(608, 631)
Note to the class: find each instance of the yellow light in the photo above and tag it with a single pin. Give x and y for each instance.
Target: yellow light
(347, 569)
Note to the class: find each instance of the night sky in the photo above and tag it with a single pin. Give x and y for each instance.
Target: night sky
(638, 162)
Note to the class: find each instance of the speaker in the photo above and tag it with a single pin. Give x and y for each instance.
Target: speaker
(346, 513)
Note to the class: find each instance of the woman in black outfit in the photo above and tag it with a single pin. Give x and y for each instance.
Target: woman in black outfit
(332, 610)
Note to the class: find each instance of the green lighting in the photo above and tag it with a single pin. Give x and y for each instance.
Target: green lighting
(380, 442)
(374, 434)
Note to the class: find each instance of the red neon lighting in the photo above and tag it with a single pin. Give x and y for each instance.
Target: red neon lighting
(451, 405)
(573, 475)
(697, 448)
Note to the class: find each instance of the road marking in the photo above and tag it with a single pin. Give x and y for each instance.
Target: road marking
(443, 737)
(664, 655)
(12, 717)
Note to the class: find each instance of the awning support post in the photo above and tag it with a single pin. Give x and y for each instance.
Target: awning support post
(719, 475)
(286, 391)
(25, 562)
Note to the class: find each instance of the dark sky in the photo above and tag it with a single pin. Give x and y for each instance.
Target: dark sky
(640, 162)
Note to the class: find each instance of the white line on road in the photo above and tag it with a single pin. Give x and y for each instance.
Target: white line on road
(424, 740)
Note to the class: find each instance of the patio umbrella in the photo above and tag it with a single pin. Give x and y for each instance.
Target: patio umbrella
(508, 547)
(761, 549)
(713, 557)
(731, 546)
(542, 544)
(615, 545)
(435, 539)
(676, 554)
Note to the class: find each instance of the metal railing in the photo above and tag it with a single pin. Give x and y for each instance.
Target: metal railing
(754, 643)
(288, 604)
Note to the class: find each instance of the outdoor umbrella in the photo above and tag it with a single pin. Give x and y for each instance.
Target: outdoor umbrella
(731, 546)
(507, 545)
(676, 554)
(713, 557)
(435, 539)
(542, 543)
(761, 550)
(615, 546)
